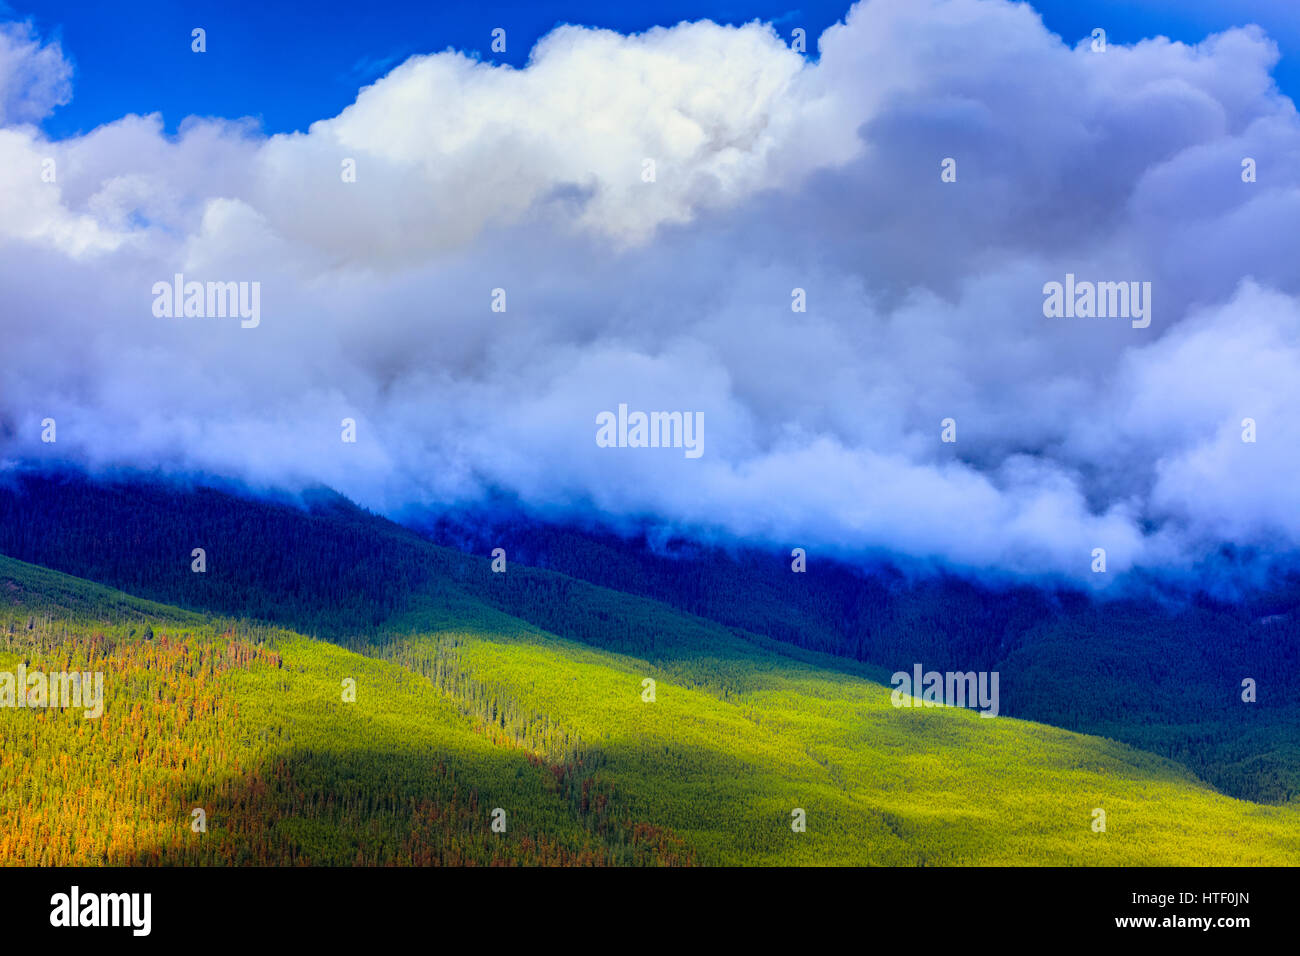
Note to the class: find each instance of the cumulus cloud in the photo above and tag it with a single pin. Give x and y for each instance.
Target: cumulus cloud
(34, 76)
(822, 428)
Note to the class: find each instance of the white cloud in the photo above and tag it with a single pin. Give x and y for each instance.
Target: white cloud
(822, 428)
(34, 76)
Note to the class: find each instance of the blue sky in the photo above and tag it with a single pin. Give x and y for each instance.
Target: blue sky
(291, 64)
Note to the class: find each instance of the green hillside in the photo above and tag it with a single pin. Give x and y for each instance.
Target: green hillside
(1165, 679)
(463, 708)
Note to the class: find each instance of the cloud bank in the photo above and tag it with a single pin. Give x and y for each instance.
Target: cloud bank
(823, 428)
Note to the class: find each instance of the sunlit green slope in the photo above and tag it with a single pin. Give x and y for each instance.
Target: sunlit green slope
(467, 709)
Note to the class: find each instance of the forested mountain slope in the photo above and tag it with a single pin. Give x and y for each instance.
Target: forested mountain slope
(473, 716)
(1166, 680)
